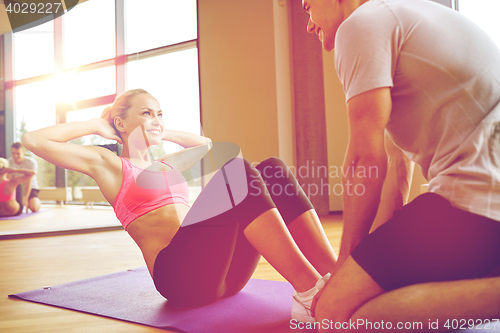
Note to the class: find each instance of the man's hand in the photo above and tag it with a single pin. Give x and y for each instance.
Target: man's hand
(397, 183)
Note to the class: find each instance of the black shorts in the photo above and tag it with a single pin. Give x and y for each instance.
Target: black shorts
(34, 193)
(430, 240)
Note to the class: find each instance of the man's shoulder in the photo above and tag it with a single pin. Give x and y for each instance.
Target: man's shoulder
(27, 162)
(13, 164)
(370, 20)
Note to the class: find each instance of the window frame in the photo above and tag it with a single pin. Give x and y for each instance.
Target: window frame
(119, 61)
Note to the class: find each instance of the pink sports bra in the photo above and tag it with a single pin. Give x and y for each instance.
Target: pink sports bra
(3, 197)
(143, 191)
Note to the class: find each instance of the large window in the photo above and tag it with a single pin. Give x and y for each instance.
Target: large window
(73, 85)
(35, 108)
(71, 68)
(27, 61)
(173, 79)
(485, 14)
(89, 33)
(151, 24)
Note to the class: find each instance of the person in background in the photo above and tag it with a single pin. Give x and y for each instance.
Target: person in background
(8, 204)
(28, 197)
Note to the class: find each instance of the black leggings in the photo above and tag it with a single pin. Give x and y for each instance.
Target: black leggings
(210, 257)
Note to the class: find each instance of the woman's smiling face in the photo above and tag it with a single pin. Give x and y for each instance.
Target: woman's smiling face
(144, 120)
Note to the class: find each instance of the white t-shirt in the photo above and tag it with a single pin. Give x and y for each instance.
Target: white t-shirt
(28, 163)
(444, 74)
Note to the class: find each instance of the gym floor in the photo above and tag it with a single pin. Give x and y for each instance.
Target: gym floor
(69, 243)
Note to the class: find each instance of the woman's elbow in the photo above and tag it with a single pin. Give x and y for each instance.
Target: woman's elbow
(28, 141)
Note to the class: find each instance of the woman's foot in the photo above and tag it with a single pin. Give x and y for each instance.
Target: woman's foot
(301, 304)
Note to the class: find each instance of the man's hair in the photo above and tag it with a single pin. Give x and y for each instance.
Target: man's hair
(17, 145)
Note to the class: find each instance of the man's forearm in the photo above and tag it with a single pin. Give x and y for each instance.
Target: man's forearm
(27, 188)
(396, 189)
(362, 190)
(366, 157)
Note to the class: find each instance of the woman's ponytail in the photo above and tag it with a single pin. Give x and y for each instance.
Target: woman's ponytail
(106, 113)
(109, 114)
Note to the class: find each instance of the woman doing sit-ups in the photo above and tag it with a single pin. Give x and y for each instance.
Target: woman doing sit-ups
(8, 204)
(197, 254)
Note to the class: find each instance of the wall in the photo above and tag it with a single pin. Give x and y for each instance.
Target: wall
(248, 94)
(247, 89)
(238, 75)
(336, 128)
(284, 82)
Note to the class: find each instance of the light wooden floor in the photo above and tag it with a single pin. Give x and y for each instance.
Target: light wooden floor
(37, 262)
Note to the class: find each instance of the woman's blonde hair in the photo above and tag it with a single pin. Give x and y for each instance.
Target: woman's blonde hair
(120, 106)
(3, 163)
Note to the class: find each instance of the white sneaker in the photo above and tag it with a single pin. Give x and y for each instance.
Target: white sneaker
(301, 304)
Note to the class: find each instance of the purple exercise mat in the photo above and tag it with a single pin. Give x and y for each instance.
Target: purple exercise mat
(262, 306)
(22, 215)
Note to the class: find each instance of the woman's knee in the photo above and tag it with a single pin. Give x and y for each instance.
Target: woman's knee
(270, 163)
(267, 168)
(274, 169)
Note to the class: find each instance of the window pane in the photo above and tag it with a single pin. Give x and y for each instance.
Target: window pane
(73, 87)
(153, 23)
(78, 180)
(173, 80)
(485, 14)
(86, 114)
(34, 107)
(34, 51)
(46, 173)
(89, 33)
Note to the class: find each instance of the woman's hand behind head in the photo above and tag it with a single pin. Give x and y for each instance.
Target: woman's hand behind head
(104, 129)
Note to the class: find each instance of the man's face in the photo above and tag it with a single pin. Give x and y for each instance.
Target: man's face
(325, 16)
(17, 155)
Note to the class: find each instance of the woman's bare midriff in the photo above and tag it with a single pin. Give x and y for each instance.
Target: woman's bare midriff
(153, 231)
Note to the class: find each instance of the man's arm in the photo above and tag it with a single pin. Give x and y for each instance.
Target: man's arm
(32, 165)
(365, 165)
(396, 190)
(27, 189)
